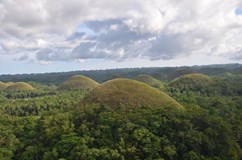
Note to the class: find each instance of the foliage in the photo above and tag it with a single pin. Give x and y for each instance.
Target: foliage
(47, 124)
(226, 86)
(96, 132)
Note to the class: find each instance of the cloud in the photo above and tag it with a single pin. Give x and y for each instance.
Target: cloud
(120, 30)
(23, 58)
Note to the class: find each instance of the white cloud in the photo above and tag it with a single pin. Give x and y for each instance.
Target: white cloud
(123, 29)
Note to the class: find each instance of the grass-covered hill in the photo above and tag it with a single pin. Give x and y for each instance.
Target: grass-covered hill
(151, 81)
(78, 82)
(129, 93)
(2, 86)
(19, 86)
(9, 83)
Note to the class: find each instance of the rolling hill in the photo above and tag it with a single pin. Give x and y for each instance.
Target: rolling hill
(129, 93)
(2, 86)
(19, 86)
(78, 82)
(192, 82)
(147, 79)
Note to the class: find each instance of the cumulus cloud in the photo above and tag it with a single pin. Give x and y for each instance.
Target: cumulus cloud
(119, 30)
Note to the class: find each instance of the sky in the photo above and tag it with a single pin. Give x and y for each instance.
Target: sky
(38, 36)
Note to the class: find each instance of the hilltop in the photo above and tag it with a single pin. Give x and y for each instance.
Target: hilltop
(151, 81)
(19, 86)
(129, 93)
(192, 82)
(78, 82)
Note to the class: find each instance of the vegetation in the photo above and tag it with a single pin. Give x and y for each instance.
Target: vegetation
(191, 82)
(207, 86)
(179, 73)
(125, 119)
(160, 73)
(78, 82)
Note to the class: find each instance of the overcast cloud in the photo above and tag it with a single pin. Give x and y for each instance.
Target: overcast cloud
(73, 30)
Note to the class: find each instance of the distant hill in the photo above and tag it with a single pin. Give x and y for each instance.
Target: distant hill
(128, 93)
(160, 76)
(78, 82)
(151, 81)
(19, 86)
(2, 86)
(213, 71)
(191, 82)
(161, 73)
(238, 70)
(179, 73)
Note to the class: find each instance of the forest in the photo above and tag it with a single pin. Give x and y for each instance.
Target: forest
(175, 113)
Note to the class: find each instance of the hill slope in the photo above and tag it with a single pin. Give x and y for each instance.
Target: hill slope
(19, 86)
(9, 83)
(2, 86)
(129, 93)
(149, 80)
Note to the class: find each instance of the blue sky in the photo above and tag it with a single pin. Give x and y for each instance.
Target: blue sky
(238, 11)
(38, 36)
